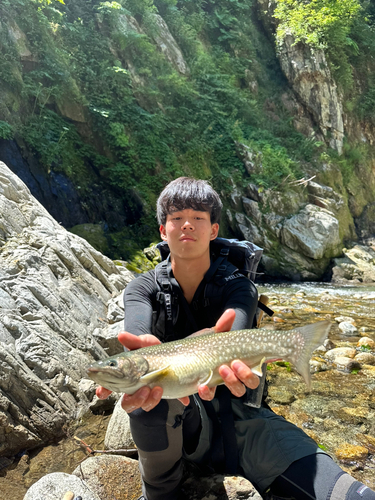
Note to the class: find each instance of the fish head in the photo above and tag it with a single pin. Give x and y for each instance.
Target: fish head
(119, 372)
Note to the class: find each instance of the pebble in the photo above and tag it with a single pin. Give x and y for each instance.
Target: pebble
(69, 495)
(366, 341)
(347, 328)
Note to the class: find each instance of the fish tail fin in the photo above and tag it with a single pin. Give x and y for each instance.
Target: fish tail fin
(311, 337)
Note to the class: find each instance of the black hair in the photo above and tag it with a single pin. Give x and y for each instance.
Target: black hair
(186, 192)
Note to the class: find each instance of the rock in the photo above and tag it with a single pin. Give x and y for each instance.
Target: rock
(107, 337)
(252, 210)
(110, 476)
(56, 485)
(340, 319)
(54, 288)
(349, 451)
(118, 435)
(366, 222)
(347, 352)
(308, 72)
(314, 232)
(168, 45)
(324, 196)
(219, 487)
(348, 328)
(347, 365)
(365, 358)
(281, 203)
(250, 158)
(318, 365)
(253, 193)
(358, 263)
(354, 416)
(280, 395)
(366, 341)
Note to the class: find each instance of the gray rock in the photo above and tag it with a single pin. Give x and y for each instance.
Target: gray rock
(118, 435)
(54, 288)
(358, 263)
(110, 476)
(168, 45)
(252, 210)
(250, 159)
(325, 196)
(54, 486)
(314, 232)
(308, 72)
(347, 328)
(107, 337)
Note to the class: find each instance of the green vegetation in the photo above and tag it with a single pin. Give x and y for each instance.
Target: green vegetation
(97, 99)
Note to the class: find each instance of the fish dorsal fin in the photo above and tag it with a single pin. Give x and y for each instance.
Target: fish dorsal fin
(205, 331)
(153, 376)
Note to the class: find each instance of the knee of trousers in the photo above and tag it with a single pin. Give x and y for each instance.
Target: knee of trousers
(348, 488)
(149, 429)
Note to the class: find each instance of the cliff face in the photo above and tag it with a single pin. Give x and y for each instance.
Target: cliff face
(102, 104)
(54, 290)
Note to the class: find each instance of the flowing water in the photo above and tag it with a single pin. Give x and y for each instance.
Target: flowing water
(339, 412)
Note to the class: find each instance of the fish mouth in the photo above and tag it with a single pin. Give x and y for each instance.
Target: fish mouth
(115, 372)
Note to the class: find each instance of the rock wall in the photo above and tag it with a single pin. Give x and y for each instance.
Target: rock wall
(54, 288)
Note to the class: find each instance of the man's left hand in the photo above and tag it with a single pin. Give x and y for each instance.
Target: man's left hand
(238, 375)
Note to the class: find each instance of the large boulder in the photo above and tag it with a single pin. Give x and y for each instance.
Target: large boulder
(313, 232)
(54, 290)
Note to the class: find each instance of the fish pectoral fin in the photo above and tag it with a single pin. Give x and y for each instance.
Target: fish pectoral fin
(208, 379)
(257, 369)
(150, 377)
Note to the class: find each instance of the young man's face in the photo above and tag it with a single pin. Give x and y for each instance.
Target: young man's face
(189, 233)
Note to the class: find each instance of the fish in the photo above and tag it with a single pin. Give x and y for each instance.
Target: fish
(181, 366)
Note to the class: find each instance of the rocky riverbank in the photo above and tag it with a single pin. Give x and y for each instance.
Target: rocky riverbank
(61, 308)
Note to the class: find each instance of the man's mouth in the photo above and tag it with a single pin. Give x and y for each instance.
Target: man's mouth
(187, 238)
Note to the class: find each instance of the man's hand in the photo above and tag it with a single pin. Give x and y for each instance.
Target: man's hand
(238, 375)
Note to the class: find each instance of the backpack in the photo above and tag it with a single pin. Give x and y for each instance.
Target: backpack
(238, 258)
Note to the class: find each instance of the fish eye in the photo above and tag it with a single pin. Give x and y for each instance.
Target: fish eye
(112, 363)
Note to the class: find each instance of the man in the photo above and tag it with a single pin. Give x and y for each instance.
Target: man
(215, 429)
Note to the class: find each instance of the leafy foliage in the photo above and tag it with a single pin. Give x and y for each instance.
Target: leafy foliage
(325, 24)
(98, 97)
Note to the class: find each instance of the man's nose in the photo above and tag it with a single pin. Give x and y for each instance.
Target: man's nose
(187, 225)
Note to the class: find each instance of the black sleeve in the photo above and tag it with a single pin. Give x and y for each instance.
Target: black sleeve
(138, 301)
(241, 295)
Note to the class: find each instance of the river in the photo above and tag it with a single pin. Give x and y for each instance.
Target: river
(339, 412)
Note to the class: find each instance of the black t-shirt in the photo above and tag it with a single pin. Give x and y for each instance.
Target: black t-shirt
(237, 293)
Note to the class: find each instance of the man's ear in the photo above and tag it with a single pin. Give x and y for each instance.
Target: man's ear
(214, 231)
(163, 233)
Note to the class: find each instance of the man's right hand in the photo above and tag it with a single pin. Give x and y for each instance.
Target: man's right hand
(145, 398)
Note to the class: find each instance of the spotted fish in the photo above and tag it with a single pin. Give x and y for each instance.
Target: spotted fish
(181, 366)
